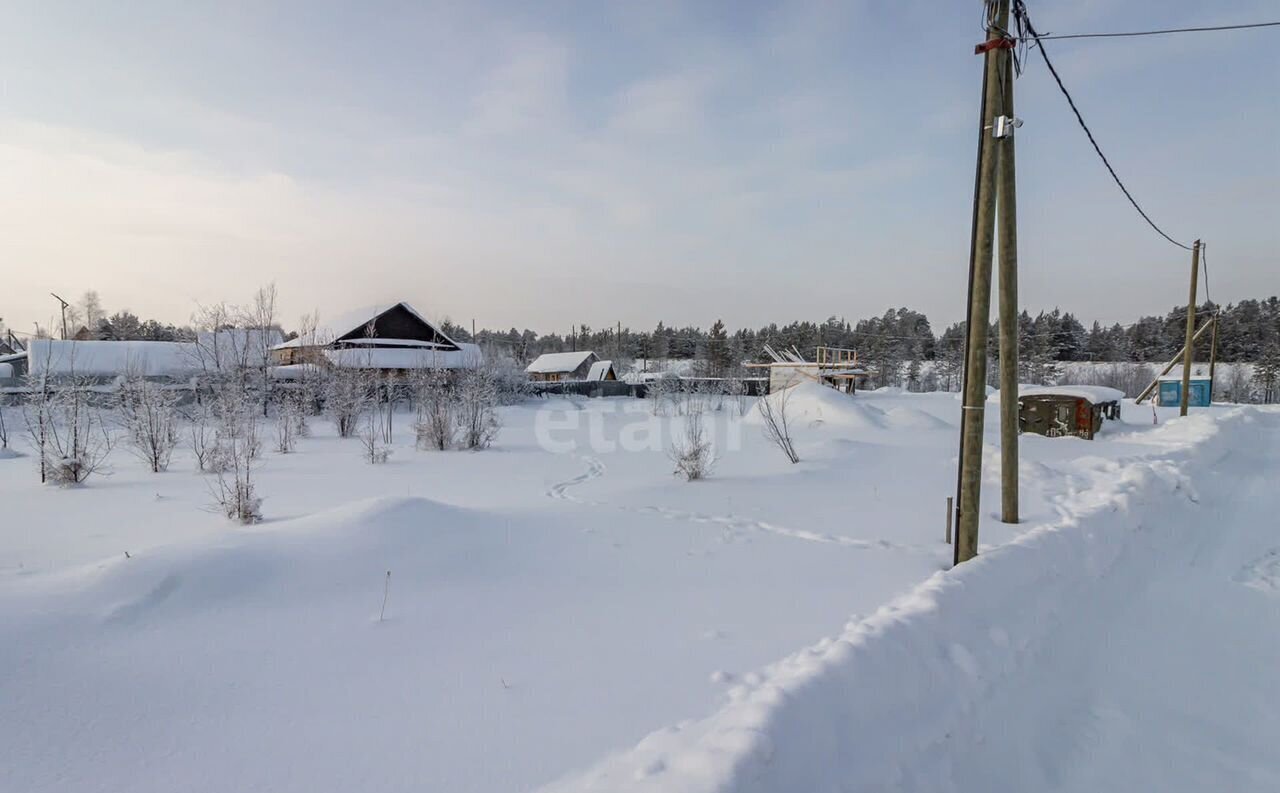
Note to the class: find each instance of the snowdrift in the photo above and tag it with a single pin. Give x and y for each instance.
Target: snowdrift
(810, 405)
(282, 565)
(873, 708)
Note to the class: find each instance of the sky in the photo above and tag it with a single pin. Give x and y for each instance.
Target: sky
(555, 163)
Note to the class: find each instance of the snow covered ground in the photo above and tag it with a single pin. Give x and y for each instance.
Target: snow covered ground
(557, 598)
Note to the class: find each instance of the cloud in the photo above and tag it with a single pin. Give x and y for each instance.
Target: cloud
(526, 91)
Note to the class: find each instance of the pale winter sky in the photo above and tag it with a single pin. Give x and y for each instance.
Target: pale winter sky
(542, 164)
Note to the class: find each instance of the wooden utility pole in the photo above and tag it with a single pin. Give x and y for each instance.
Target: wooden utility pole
(1213, 356)
(1189, 350)
(968, 502)
(1008, 308)
(64, 314)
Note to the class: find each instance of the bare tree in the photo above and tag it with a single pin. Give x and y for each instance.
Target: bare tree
(693, 453)
(37, 410)
(775, 413)
(261, 320)
(78, 441)
(91, 309)
(4, 431)
(149, 412)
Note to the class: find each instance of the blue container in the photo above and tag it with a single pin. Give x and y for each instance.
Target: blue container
(1171, 393)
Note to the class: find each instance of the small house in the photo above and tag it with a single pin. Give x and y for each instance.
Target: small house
(602, 370)
(1199, 395)
(556, 367)
(1067, 411)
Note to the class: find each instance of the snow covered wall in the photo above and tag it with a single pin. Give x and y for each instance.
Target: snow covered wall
(886, 704)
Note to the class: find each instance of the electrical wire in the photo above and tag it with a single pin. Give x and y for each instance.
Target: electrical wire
(1020, 11)
(1052, 37)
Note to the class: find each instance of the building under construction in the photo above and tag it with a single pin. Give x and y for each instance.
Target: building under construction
(836, 367)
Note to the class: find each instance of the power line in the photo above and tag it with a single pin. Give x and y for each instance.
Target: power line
(1021, 12)
(1163, 32)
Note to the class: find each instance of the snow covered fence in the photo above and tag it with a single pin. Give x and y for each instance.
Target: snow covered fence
(874, 708)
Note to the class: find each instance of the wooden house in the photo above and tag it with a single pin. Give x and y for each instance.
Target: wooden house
(394, 337)
(556, 367)
(1067, 411)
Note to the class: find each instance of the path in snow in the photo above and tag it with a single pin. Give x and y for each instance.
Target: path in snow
(733, 523)
(560, 490)
(1170, 679)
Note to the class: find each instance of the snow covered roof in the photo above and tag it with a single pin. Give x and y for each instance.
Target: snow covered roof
(558, 362)
(1093, 393)
(111, 358)
(599, 370)
(224, 349)
(351, 321)
(467, 356)
(1177, 378)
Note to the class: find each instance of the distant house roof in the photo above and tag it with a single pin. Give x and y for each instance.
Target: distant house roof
(350, 328)
(600, 370)
(558, 362)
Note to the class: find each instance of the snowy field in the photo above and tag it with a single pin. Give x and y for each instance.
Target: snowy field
(561, 597)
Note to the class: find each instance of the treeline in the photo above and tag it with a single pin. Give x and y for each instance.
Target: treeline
(1248, 332)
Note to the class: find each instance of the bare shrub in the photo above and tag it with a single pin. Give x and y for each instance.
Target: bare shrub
(346, 397)
(775, 413)
(659, 391)
(149, 413)
(202, 438)
(291, 422)
(433, 426)
(236, 455)
(692, 452)
(477, 415)
(735, 389)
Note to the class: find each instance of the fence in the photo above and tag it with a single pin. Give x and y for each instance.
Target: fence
(752, 386)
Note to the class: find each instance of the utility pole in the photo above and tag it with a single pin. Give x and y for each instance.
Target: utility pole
(968, 502)
(1008, 305)
(1189, 349)
(1213, 355)
(617, 343)
(64, 315)
(473, 330)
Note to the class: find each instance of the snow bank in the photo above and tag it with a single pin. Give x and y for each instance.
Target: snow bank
(873, 708)
(811, 405)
